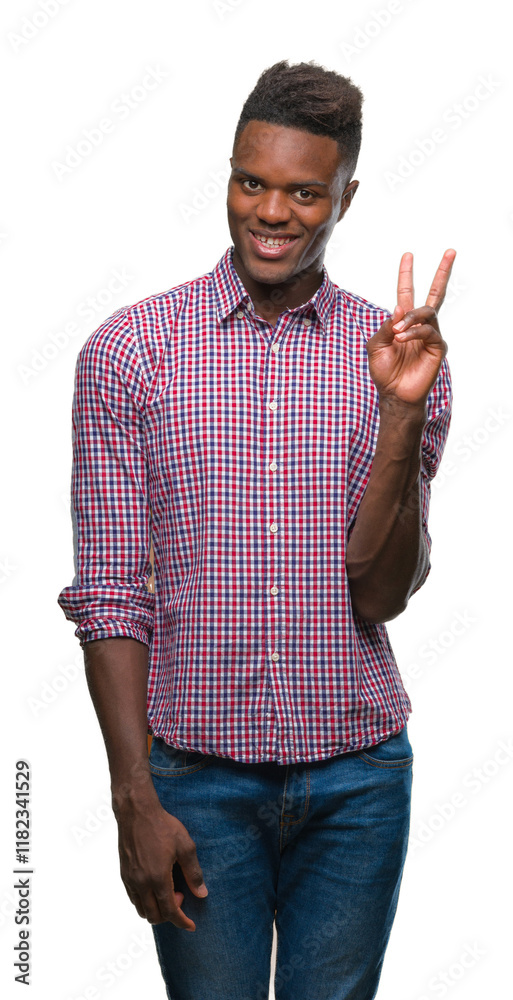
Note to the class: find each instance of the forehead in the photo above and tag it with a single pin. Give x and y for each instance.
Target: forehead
(277, 149)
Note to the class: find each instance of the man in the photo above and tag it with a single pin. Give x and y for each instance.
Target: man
(274, 437)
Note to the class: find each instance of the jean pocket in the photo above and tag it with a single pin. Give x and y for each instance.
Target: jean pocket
(394, 752)
(166, 760)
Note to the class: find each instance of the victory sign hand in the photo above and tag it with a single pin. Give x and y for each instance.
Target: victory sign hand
(406, 353)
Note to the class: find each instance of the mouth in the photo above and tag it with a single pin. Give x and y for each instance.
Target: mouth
(271, 246)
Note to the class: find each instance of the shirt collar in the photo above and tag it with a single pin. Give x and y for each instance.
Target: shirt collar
(231, 293)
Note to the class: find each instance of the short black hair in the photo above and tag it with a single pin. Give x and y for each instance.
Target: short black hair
(311, 98)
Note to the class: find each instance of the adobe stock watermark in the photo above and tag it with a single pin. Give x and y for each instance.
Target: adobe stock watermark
(203, 196)
(51, 690)
(8, 904)
(109, 973)
(6, 569)
(454, 289)
(95, 819)
(87, 310)
(120, 109)
(444, 979)
(224, 7)
(468, 445)
(375, 23)
(453, 118)
(472, 784)
(315, 940)
(430, 652)
(33, 24)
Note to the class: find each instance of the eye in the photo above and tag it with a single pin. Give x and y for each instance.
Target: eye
(309, 194)
(249, 180)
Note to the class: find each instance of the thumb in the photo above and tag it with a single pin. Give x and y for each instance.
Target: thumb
(194, 877)
(385, 335)
(198, 890)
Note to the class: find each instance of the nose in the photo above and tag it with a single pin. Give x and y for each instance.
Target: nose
(273, 208)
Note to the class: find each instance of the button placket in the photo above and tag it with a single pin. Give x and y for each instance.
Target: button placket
(271, 471)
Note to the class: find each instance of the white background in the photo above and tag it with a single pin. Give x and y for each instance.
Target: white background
(149, 202)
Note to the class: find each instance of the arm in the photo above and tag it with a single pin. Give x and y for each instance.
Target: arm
(388, 553)
(150, 839)
(110, 603)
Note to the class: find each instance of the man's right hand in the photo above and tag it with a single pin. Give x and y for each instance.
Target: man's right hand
(150, 841)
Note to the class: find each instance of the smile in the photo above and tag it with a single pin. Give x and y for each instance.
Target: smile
(272, 246)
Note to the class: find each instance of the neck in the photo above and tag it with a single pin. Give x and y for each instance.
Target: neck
(270, 300)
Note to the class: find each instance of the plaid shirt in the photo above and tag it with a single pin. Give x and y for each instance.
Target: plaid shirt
(242, 452)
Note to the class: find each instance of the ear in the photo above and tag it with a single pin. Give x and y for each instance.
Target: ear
(347, 197)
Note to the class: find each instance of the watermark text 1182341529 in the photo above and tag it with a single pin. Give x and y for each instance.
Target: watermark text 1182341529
(22, 885)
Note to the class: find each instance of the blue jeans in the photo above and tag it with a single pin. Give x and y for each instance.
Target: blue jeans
(318, 847)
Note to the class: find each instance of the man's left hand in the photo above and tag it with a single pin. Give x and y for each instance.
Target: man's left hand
(406, 353)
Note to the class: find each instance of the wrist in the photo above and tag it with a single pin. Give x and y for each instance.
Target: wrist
(133, 802)
(393, 408)
(401, 429)
(133, 789)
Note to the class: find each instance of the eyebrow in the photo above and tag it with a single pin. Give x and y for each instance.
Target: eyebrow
(295, 184)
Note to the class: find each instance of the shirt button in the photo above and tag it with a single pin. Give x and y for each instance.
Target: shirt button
(275, 348)
(273, 527)
(307, 322)
(240, 314)
(274, 590)
(273, 405)
(275, 657)
(273, 466)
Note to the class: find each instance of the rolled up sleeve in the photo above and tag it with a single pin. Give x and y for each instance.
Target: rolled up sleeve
(433, 442)
(110, 505)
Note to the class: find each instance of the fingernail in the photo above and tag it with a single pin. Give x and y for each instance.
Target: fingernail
(399, 326)
(202, 890)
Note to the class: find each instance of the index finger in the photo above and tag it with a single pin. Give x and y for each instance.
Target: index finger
(405, 283)
(441, 280)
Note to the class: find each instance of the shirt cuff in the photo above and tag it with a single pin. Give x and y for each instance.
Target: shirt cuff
(103, 628)
(104, 611)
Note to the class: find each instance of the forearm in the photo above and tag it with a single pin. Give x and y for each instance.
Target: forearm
(150, 838)
(117, 673)
(387, 554)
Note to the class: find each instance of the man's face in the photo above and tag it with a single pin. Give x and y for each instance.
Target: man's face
(286, 185)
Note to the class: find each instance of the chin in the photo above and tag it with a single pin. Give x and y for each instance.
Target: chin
(267, 272)
(269, 275)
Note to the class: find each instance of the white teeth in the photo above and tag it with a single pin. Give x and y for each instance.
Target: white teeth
(271, 241)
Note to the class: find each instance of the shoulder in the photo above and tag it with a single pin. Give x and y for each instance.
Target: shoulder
(365, 316)
(154, 313)
(136, 335)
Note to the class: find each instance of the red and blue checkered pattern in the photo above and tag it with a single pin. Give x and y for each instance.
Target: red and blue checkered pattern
(243, 452)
